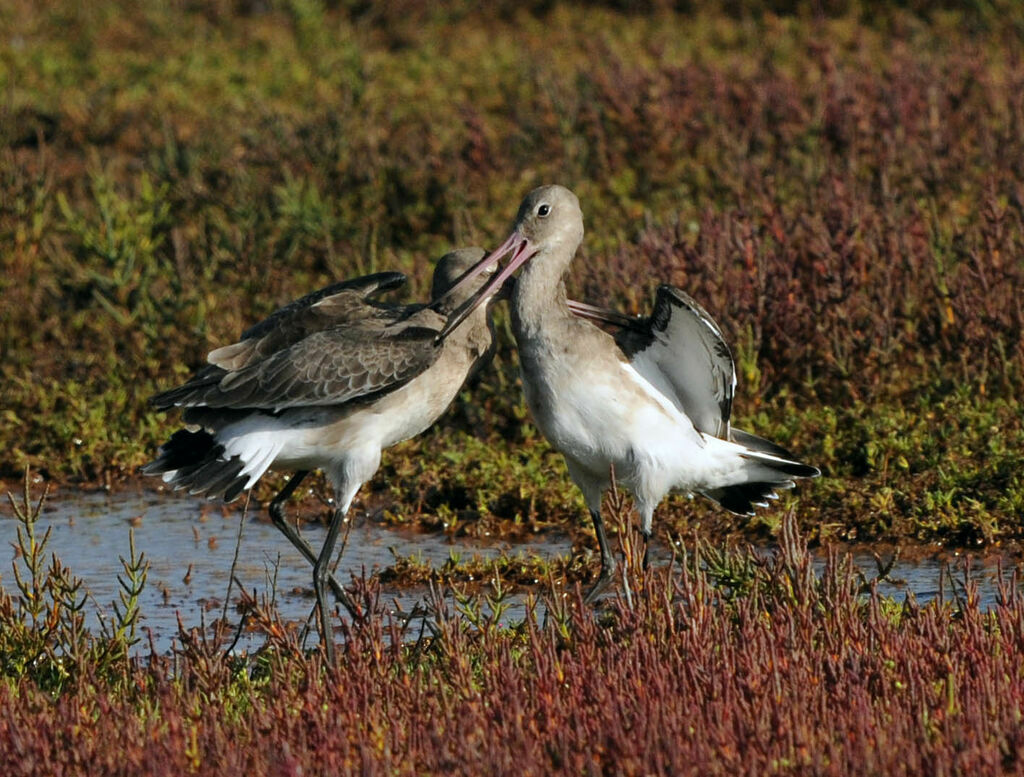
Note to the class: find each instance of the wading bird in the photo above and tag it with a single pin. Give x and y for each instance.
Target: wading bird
(651, 405)
(326, 382)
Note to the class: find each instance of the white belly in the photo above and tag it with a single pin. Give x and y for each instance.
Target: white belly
(614, 418)
(346, 442)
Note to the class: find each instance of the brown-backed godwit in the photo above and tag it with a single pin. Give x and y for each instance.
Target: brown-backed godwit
(327, 382)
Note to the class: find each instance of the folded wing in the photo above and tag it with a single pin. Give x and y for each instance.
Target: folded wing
(330, 347)
(341, 303)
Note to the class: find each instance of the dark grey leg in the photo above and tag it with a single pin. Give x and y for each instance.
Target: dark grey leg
(647, 546)
(321, 573)
(607, 559)
(296, 539)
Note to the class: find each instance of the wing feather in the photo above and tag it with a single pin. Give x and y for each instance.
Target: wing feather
(342, 303)
(332, 346)
(680, 349)
(326, 368)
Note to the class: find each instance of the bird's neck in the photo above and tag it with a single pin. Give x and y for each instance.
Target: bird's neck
(473, 334)
(539, 298)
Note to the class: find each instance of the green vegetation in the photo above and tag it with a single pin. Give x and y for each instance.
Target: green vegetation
(839, 183)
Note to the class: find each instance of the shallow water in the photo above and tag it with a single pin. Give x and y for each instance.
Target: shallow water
(190, 546)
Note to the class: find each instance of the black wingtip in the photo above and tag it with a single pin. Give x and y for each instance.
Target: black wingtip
(184, 449)
(797, 470)
(793, 469)
(196, 460)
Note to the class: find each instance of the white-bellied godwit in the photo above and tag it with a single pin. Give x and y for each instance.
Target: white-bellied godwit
(651, 406)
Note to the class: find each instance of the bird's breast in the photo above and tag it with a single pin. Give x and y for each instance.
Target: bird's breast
(593, 408)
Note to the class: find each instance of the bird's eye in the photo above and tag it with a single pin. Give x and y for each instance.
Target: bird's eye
(543, 210)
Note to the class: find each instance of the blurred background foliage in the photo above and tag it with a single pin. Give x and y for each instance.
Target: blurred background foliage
(840, 183)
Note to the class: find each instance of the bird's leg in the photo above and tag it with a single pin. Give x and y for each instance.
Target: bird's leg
(646, 510)
(321, 574)
(607, 559)
(646, 534)
(277, 516)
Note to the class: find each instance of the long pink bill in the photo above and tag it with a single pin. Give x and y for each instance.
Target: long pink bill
(467, 276)
(521, 253)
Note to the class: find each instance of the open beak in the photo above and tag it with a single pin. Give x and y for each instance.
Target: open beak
(521, 250)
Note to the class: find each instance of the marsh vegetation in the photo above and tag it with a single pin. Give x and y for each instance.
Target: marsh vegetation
(840, 184)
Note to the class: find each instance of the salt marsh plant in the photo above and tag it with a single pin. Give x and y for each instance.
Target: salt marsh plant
(724, 662)
(840, 191)
(43, 634)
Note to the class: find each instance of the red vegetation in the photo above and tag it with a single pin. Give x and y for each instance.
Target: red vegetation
(785, 671)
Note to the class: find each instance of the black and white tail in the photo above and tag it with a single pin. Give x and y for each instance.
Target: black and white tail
(764, 468)
(196, 461)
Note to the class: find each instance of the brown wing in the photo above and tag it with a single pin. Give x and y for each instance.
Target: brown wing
(330, 367)
(339, 304)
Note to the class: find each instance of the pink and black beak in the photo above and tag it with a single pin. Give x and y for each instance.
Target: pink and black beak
(500, 282)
